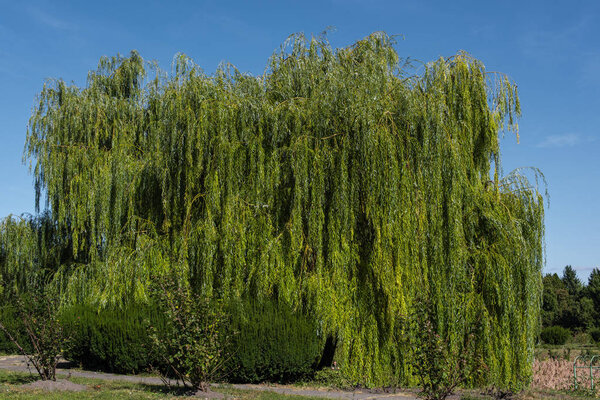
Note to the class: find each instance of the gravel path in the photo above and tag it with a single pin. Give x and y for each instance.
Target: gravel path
(17, 363)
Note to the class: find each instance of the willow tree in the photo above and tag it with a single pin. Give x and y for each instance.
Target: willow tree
(339, 182)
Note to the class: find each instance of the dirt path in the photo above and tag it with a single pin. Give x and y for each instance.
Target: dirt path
(17, 363)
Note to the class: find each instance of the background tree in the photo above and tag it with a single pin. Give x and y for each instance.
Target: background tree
(571, 281)
(568, 303)
(587, 313)
(554, 298)
(593, 288)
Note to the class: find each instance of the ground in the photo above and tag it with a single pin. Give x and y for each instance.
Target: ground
(16, 383)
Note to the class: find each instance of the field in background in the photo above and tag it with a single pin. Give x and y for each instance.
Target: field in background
(553, 368)
(568, 351)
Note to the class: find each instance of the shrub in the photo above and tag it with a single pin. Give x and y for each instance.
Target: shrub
(37, 316)
(113, 340)
(335, 378)
(273, 343)
(580, 338)
(556, 335)
(438, 367)
(190, 346)
(595, 334)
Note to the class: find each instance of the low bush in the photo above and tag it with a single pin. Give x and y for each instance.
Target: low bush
(112, 340)
(595, 334)
(335, 378)
(556, 335)
(193, 343)
(272, 343)
(35, 330)
(580, 338)
(439, 368)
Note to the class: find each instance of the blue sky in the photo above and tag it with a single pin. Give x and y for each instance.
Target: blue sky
(551, 50)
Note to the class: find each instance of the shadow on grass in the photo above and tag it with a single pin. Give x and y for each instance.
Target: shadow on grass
(224, 389)
(167, 390)
(12, 378)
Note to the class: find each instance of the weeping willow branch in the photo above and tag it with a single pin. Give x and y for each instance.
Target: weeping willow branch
(372, 182)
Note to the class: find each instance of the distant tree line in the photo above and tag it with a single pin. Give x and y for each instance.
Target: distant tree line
(569, 303)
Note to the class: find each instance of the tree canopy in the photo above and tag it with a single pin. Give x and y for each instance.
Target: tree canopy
(567, 302)
(571, 281)
(341, 182)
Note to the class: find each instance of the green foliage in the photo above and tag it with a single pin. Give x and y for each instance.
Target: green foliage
(579, 338)
(273, 343)
(593, 289)
(112, 340)
(595, 334)
(569, 303)
(587, 314)
(330, 377)
(440, 367)
(191, 346)
(10, 319)
(553, 297)
(341, 183)
(44, 338)
(571, 281)
(31, 250)
(555, 335)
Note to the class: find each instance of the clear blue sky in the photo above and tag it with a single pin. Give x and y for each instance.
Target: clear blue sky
(550, 48)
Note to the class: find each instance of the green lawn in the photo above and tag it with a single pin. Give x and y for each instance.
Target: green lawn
(567, 351)
(11, 388)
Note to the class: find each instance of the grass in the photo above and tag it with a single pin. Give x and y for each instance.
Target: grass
(11, 388)
(556, 395)
(533, 395)
(578, 345)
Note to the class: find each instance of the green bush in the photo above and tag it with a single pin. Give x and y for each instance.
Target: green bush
(112, 340)
(335, 378)
(595, 334)
(581, 338)
(555, 335)
(438, 367)
(36, 330)
(271, 343)
(193, 342)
